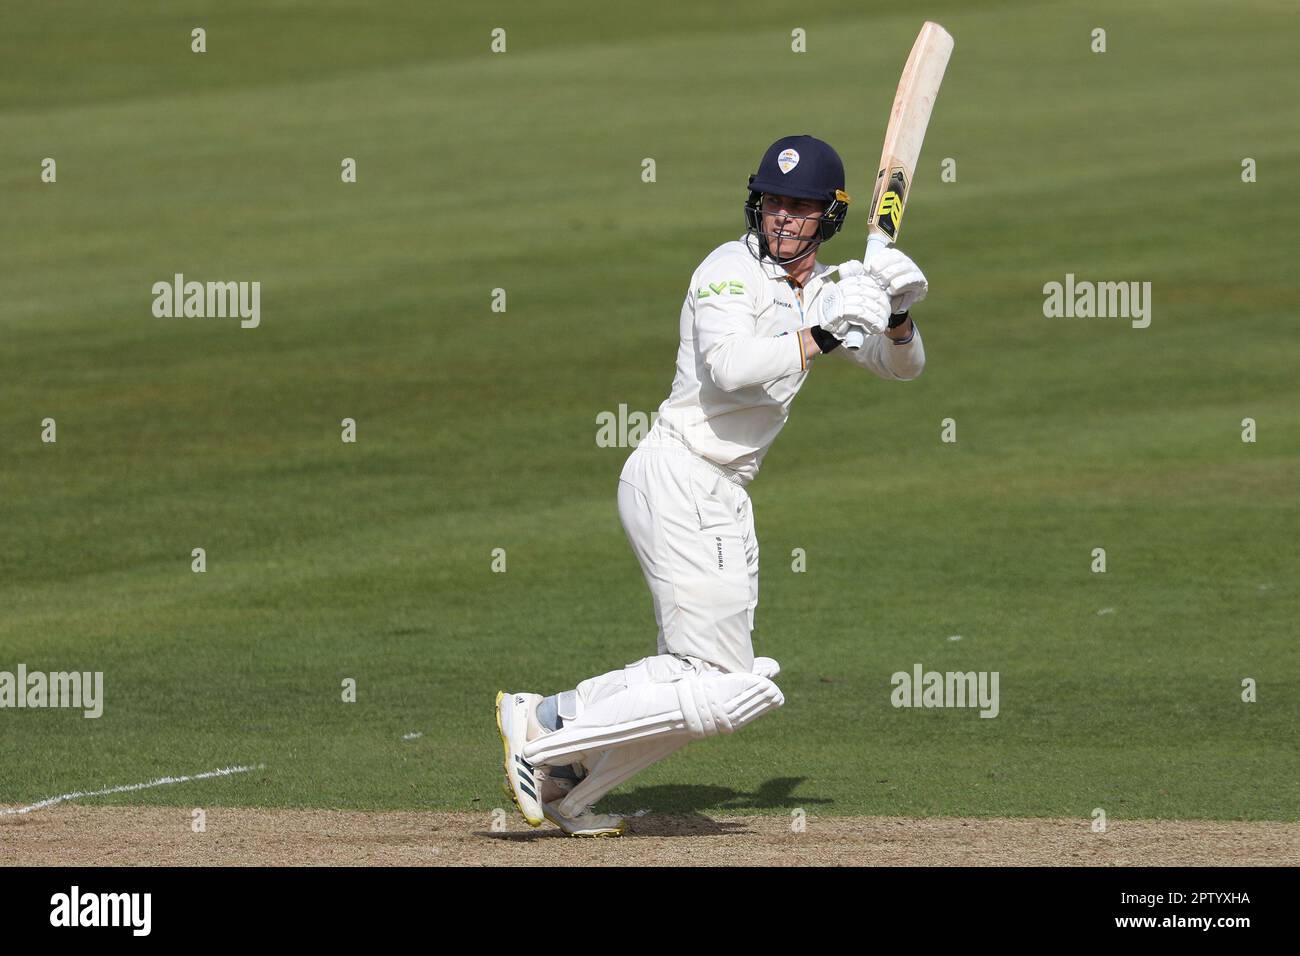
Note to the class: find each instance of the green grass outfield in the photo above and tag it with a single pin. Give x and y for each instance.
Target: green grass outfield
(477, 430)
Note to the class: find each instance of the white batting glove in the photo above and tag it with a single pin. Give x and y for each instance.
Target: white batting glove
(855, 302)
(853, 267)
(900, 277)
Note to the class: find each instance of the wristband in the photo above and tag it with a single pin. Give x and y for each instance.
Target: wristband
(910, 336)
(898, 319)
(825, 341)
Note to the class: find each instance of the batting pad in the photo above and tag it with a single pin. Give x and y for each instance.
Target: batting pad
(694, 706)
(614, 766)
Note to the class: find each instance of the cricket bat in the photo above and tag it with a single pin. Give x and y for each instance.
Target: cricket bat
(917, 90)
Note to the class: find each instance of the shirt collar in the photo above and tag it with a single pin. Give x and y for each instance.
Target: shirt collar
(774, 271)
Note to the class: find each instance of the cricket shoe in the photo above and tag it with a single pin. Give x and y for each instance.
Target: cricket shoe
(513, 712)
(588, 823)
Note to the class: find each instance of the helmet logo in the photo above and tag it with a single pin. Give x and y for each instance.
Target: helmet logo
(788, 160)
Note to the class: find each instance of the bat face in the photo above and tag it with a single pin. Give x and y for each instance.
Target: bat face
(918, 88)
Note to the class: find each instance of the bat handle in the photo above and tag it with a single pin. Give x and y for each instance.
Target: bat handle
(875, 242)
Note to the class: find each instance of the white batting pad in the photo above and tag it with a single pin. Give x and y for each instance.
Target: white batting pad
(614, 766)
(692, 704)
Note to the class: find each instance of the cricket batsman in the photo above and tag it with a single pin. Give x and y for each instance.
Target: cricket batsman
(758, 313)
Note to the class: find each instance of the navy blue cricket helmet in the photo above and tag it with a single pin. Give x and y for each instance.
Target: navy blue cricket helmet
(806, 168)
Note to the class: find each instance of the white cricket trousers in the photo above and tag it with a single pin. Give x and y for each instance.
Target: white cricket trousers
(692, 530)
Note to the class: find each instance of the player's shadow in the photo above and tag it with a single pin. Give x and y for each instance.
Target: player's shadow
(654, 824)
(774, 794)
(679, 810)
(522, 836)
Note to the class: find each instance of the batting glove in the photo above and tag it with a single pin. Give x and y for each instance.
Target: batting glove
(857, 301)
(900, 277)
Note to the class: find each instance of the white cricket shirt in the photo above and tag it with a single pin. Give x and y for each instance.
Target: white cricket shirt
(740, 363)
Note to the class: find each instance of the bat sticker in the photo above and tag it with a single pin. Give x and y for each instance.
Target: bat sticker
(889, 211)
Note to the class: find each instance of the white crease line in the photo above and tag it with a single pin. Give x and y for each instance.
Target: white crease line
(126, 788)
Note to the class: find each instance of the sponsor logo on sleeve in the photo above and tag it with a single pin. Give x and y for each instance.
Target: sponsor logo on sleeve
(730, 287)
